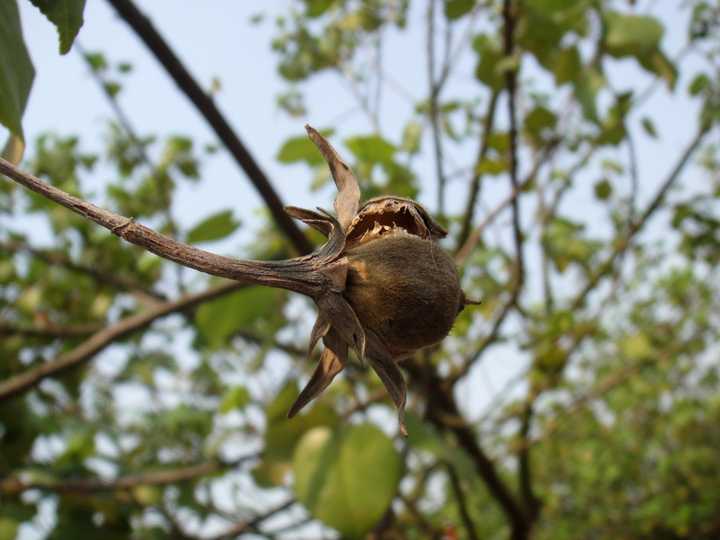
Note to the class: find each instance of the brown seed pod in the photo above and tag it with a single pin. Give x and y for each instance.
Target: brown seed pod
(394, 290)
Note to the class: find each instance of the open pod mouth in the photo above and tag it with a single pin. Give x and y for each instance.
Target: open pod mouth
(387, 215)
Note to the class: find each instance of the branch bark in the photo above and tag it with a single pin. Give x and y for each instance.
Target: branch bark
(205, 105)
(294, 274)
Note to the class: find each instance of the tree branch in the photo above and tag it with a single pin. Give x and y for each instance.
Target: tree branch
(474, 190)
(442, 411)
(435, 88)
(461, 502)
(22, 382)
(635, 227)
(510, 85)
(14, 485)
(145, 30)
(297, 275)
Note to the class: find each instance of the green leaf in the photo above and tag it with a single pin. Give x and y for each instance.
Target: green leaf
(411, 137)
(252, 308)
(371, 148)
(454, 9)
(66, 15)
(649, 127)
(283, 433)
(347, 478)
(315, 8)
(214, 227)
(16, 70)
(489, 57)
(235, 398)
(301, 149)
(700, 83)
(603, 189)
(631, 35)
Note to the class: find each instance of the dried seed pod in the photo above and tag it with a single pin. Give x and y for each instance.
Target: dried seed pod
(394, 290)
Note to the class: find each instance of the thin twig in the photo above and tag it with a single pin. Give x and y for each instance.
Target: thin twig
(14, 485)
(252, 524)
(623, 244)
(474, 190)
(434, 93)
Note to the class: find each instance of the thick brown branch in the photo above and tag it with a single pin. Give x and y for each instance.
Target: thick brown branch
(85, 351)
(295, 274)
(461, 500)
(443, 412)
(14, 485)
(145, 30)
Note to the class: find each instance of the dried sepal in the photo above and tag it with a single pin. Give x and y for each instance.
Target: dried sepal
(348, 197)
(332, 361)
(319, 330)
(394, 382)
(344, 321)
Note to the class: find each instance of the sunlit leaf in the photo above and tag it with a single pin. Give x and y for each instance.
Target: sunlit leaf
(347, 478)
(214, 227)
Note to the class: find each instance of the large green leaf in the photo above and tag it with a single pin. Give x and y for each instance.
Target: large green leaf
(347, 478)
(66, 15)
(214, 227)
(16, 70)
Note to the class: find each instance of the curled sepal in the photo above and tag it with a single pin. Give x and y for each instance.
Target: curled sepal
(394, 382)
(348, 197)
(320, 329)
(325, 223)
(332, 361)
(344, 321)
(317, 221)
